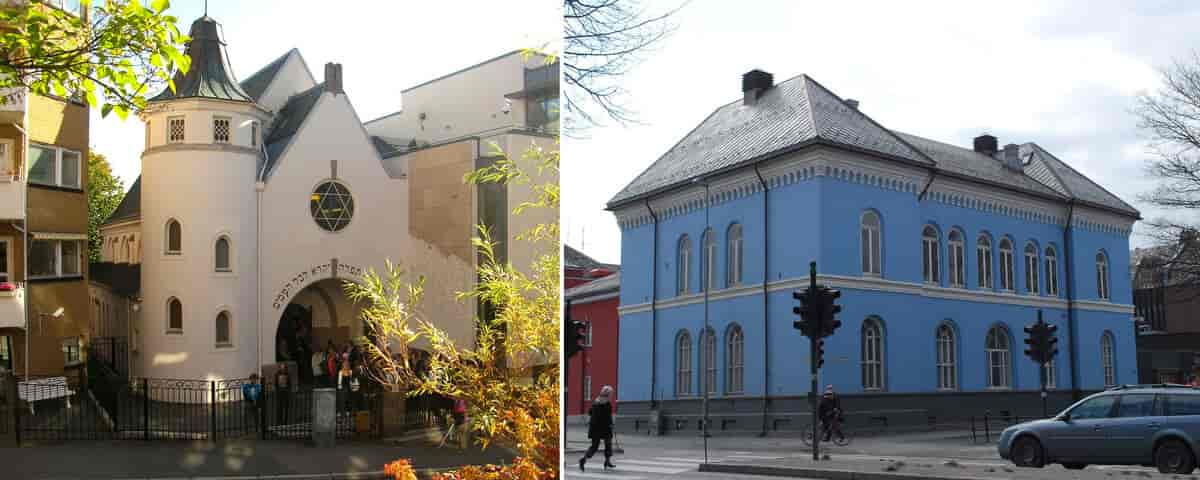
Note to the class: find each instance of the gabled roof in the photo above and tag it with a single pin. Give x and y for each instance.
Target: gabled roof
(131, 204)
(210, 75)
(573, 258)
(1056, 174)
(256, 84)
(793, 113)
(288, 121)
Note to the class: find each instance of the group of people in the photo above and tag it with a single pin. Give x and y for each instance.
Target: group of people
(344, 369)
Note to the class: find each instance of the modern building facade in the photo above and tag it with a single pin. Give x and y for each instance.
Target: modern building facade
(592, 292)
(942, 255)
(1167, 298)
(44, 314)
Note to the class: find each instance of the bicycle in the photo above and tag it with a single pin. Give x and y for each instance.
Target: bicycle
(839, 441)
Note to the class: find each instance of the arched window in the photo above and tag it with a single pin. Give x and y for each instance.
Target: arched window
(947, 365)
(708, 260)
(957, 258)
(685, 260)
(174, 315)
(683, 364)
(221, 254)
(1051, 272)
(1031, 269)
(1102, 275)
(1107, 359)
(174, 237)
(929, 255)
(999, 355)
(128, 250)
(872, 354)
(1051, 374)
(223, 339)
(983, 251)
(733, 267)
(708, 359)
(734, 360)
(1006, 265)
(870, 243)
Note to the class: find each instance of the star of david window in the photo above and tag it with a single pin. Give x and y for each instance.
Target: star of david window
(332, 206)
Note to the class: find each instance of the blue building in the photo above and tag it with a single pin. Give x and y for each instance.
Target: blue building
(943, 254)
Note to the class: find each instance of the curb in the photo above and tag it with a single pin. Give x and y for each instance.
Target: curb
(422, 473)
(829, 474)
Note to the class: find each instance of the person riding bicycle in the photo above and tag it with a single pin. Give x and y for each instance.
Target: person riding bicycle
(830, 412)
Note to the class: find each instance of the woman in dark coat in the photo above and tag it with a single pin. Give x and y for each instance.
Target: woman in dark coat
(600, 427)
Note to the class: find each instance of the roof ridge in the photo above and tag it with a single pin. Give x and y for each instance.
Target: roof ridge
(269, 64)
(1089, 179)
(867, 117)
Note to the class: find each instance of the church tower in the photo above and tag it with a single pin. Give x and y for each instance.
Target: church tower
(202, 158)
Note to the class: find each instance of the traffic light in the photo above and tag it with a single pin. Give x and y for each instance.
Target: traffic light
(820, 355)
(1033, 338)
(1051, 346)
(830, 309)
(808, 312)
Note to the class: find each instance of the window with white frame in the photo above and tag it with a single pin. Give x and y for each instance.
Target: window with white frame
(683, 267)
(734, 360)
(708, 260)
(1102, 276)
(54, 166)
(7, 166)
(174, 237)
(223, 326)
(254, 134)
(957, 259)
(709, 359)
(733, 267)
(1051, 374)
(983, 256)
(174, 315)
(221, 129)
(221, 252)
(1031, 269)
(870, 243)
(683, 364)
(872, 354)
(1051, 272)
(1006, 265)
(947, 367)
(587, 388)
(929, 255)
(175, 129)
(999, 356)
(55, 258)
(1106, 359)
(5, 269)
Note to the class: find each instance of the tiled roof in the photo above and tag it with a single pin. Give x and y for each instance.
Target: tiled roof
(290, 117)
(610, 283)
(210, 75)
(256, 84)
(969, 163)
(1066, 180)
(131, 203)
(573, 258)
(792, 113)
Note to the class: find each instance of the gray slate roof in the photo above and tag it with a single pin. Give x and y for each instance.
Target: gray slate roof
(573, 258)
(610, 283)
(390, 146)
(969, 163)
(1055, 173)
(288, 121)
(256, 84)
(131, 203)
(794, 112)
(210, 75)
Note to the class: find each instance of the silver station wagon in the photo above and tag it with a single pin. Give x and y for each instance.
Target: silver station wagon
(1148, 425)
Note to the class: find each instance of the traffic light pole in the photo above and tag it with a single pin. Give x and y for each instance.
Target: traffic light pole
(1042, 371)
(812, 363)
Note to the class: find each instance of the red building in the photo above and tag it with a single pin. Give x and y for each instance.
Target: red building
(592, 291)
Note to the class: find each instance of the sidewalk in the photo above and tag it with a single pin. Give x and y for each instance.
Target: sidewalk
(186, 459)
(862, 467)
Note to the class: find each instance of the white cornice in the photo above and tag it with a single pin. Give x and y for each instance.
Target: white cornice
(882, 285)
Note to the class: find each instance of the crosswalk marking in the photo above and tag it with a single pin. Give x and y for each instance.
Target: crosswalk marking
(679, 459)
(686, 466)
(753, 457)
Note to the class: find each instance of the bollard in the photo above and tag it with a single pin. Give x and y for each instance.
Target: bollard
(324, 415)
(987, 434)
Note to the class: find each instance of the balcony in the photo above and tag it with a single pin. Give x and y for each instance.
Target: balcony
(13, 103)
(12, 305)
(12, 196)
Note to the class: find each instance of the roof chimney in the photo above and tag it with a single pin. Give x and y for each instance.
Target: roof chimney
(852, 103)
(333, 78)
(986, 144)
(754, 83)
(1012, 157)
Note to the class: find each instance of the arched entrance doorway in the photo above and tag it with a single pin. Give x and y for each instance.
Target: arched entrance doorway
(319, 316)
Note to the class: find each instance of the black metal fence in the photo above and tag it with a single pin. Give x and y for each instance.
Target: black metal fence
(112, 352)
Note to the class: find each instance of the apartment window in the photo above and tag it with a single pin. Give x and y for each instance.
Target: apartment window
(55, 258)
(7, 167)
(929, 255)
(53, 166)
(220, 130)
(957, 257)
(983, 254)
(254, 134)
(70, 349)
(733, 267)
(1051, 272)
(709, 360)
(870, 243)
(947, 365)
(872, 355)
(223, 325)
(709, 259)
(998, 355)
(221, 253)
(175, 129)
(5, 273)
(1102, 275)
(683, 364)
(681, 270)
(734, 360)
(1051, 374)
(174, 237)
(1106, 359)
(1006, 265)
(174, 315)
(1031, 269)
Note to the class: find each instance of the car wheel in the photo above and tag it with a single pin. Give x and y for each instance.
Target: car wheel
(1027, 452)
(1174, 456)
(1074, 466)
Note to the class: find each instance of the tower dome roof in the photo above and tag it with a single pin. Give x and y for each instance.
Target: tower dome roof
(210, 75)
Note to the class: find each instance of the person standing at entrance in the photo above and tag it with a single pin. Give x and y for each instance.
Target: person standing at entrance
(600, 427)
(318, 367)
(283, 394)
(343, 381)
(251, 393)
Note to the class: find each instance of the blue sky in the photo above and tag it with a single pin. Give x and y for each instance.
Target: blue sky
(383, 46)
(1058, 73)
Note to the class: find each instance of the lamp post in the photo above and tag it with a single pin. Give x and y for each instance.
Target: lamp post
(705, 284)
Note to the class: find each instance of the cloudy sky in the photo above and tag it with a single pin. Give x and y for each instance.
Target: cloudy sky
(1061, 74)
(384, 47)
